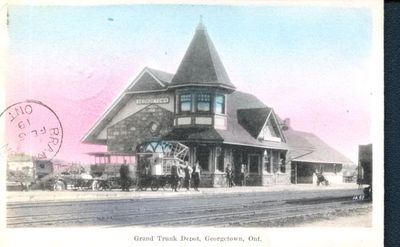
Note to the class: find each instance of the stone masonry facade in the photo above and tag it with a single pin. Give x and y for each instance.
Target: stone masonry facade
(125, 135)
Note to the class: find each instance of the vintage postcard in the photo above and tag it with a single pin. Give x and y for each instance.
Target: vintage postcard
(250, 123)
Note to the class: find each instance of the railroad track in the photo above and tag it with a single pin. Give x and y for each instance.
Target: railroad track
(264, 216)
(222, 210)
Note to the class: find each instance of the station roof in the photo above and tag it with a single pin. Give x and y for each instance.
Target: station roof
(194, 134)
(107, 154)
(236, 133)
(307, 147)
(201, 65)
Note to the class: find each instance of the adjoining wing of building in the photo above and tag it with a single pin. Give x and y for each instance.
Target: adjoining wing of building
(200, 107)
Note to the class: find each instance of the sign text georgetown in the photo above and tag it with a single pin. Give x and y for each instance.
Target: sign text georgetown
(152, 101)
(207, 238)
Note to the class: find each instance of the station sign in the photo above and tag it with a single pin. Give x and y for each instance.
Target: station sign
(164, 100)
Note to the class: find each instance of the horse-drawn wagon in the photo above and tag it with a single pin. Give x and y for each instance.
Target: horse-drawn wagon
(156, 159)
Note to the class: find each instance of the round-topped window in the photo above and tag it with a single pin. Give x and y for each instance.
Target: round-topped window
(153, 127)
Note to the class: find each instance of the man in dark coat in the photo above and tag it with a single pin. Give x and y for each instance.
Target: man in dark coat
(196, 176)
(229, 175)
(188, 173)
(174, 177)
(124, 175)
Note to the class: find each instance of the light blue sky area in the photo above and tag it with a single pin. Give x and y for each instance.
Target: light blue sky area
(275, 31)
(311, 64)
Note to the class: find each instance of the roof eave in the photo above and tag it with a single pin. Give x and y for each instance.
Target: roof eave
(322, 161)
(284, 147)
(219, 85)
(147, 91)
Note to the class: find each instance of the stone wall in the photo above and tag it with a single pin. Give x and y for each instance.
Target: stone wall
(220, 180)
(125, 135)
(275, 179)
(206, 180)
(253, 180)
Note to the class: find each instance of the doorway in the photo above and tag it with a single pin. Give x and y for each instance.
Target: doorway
(237, 163)
(203, 156)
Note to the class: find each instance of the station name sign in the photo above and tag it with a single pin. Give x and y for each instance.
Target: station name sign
(147, 101)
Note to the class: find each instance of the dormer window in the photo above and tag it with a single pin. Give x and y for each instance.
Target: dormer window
(203, 102)
(185, 102)
(220, 104)
(269, 133)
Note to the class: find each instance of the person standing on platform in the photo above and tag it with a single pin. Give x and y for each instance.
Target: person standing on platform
(124, 172)
(196, 176)
(229, 175)
(174, 177)
(188, 173)
(242, 174)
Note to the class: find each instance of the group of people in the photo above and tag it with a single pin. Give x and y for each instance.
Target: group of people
(187, 173)
(230, 175)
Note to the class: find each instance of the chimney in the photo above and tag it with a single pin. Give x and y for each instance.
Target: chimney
(286, 124)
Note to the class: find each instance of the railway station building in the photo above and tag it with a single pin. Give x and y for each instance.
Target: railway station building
(200, 107)
(310, 154)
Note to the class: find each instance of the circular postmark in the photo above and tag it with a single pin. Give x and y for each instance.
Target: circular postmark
(31, 128)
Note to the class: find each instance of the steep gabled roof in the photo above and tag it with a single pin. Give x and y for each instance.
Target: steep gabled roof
(307, 147)
(253, 120)
(201, 65)
(148, 80)
(151, 80)
(163, 76)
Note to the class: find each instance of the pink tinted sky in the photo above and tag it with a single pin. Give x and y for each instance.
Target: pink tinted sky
(311, 64)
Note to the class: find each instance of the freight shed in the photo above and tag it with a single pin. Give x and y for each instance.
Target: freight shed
(309, 154)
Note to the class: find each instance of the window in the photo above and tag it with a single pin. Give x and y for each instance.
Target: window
(253, 163)
(282, 163)
(220, 159)
(269, 133)
(185, 103)
(275, 161)
(153, 127)
(267, 161)
(220, 104)
(203, 102)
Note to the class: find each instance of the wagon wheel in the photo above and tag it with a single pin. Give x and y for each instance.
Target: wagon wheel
(101, 187)
(95, 185)
(143, 185)
(154, 185)
(167, 185)
(59, 186)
